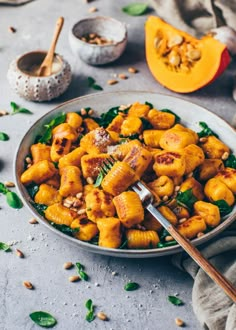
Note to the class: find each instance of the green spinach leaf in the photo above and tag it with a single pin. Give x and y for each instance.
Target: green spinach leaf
(5, 247)
(135, 9)
(223, 206)
(206, 130)
(186, 198)
(4, 136)
(49, 127)
(65, 229)
(43, 319)
(175, 300)
(40, 208)
(32, 189)
(230, 161)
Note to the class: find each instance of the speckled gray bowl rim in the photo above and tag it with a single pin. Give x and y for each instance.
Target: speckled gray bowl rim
(99, 18)
(19, 57)
(124, 253)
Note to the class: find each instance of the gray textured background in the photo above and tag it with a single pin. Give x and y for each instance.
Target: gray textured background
(146, 308)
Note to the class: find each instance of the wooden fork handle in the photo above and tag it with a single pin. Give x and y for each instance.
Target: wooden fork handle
(210, 270)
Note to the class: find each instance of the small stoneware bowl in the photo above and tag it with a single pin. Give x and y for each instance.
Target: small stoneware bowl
(106, 27)
(22, 77)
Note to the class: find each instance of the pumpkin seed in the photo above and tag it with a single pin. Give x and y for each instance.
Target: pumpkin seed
(194, 54)
(157, 41)
(175, 41)
(174, 60)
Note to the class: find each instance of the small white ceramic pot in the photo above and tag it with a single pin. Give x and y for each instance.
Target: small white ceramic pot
(106, 27)
(23, 79)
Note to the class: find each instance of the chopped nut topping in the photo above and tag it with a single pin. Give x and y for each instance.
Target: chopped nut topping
(96, 39)
(225, 156)
(83, 112)
(169, 238)
(182, 220)
(28, 160)
(203, 139)
(90, 180)
(82, 211)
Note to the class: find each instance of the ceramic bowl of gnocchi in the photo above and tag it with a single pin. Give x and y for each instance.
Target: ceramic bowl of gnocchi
(75, 166)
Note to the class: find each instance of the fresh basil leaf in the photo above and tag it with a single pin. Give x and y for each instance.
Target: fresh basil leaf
(40, 208)
(89, 304)
(81, 273)
(79, 266)
(46, 136)
(17, 109)
(3, 189)
(131, 286)
(91, 81)
(166, 244)
(90, 316)
(32, 189)
(4, 136)
(146, 124)
(5, 247)
(149, 104)
(13, 200)
(186, 198)
(97, 87)
(107, 117)
(135, 9)
(177, 118)
(175, 301)
(223, 206)
(23, 110)
(94, 240)
(49, 127)
(230, 161)
(64, 228)
(14, 106)
(99, 179)
(43, 319)
(206, 131)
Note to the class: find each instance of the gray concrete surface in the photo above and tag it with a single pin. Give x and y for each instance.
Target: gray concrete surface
(146, 308)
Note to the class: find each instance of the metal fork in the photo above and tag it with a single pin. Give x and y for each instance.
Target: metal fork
(147, 200)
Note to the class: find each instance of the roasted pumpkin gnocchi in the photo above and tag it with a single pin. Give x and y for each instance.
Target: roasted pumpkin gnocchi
(80, 176)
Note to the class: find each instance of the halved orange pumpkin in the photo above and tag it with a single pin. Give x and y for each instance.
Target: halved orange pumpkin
(181, 62)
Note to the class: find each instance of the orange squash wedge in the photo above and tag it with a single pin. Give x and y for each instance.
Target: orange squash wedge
(181, 62)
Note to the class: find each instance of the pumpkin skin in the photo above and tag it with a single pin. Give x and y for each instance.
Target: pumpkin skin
(189, 75)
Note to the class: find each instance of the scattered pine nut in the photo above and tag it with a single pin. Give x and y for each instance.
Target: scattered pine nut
(165, 198)
(68, 205)
(203, 139)
(77, 203)
(225, 156)
(82, 211)
(90, 112)
(177, 188)
(122, 76)
(102, 316)
(83, 112)
(112, 82)
(3, 113)
(33, 221)
(19, 253)
(124, 107)
(90, 180)
(9, 184)
(132, 70)
(12, 29)
(92, 10)
(28, 285)
(190, 175)
(169, 238)
(68, 265)
(200, 234)
(79, 195)
(28, 160)
(74, 278)
(182, 220)
(179, 322)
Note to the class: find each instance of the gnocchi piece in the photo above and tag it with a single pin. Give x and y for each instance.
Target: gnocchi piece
(115, 125)
(138, 239)
(70, 181)
(87, 229)
(54, 181)
(91, 164)
(96, 141)
(60, 214)
(40, 151)
(152, 137)
(99, 204)
(60, 147)
(72, 158)
(109, 232)
(90, 124)
(160, 120)
(138, 159)
(169, 163)
(38, 173)
(138, 110)
(151, 223)
(163, 186)
(74, 120)
(209, 212)
(228, 177)
(129, 208)
(194, 156)
(131, 125)
(197, 189)
(118, 179)
(168, 214)
(123, 149)
(216, 190)
(177, 138)
(214, 148)
(191, 227)
(64, 131)
(47, 195)
(181, 212)
(209, 168)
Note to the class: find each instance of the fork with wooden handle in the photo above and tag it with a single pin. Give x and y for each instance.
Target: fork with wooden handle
(147, 199)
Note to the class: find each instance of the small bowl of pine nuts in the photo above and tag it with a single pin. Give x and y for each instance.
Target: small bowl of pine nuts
(98, 40)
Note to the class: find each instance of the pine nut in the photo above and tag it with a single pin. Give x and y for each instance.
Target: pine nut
(190, 175)
(82, 211)
(165, 198)
(200, 234)
(74, 278)
(132, 70)
(3, 113)
(92, 9)
(9, 184)
(68, 265)
(122, 76)
(169, 238)
(28, 285)
(177, 188)
(19, 253)
(203, 139)
(77, 203)
(79, 195)
(67, 205)
(12, 29)
(112, 82)
(33, 221)
(225, 156)
(90, 180)
(28, 160)
(182, 220)
(102, 316)
(83, 112)
(179, 322)
(90, 112)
